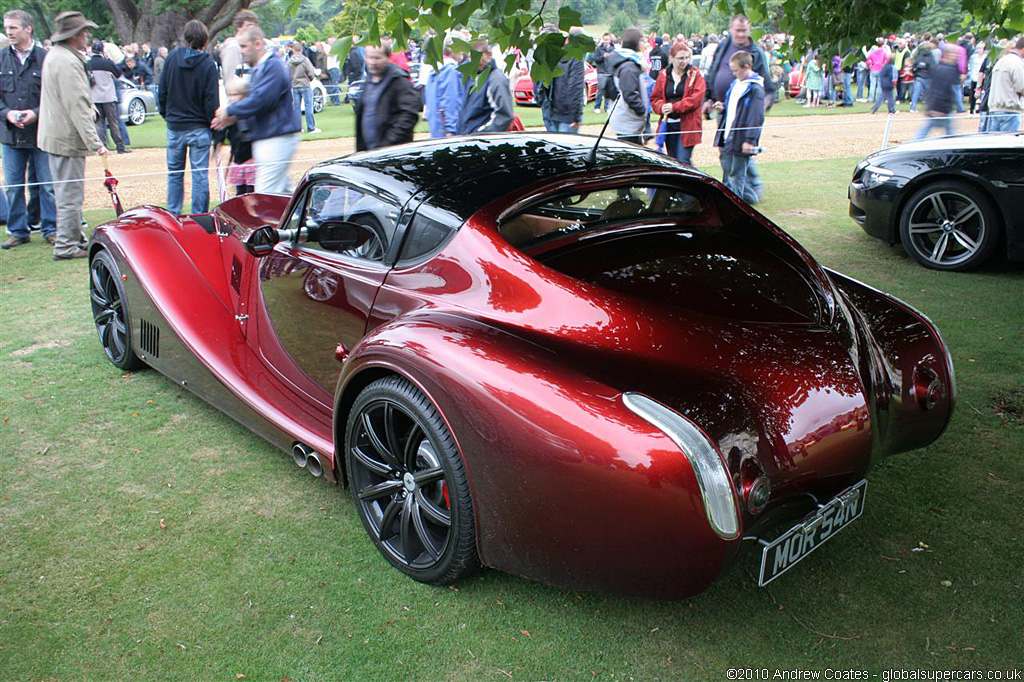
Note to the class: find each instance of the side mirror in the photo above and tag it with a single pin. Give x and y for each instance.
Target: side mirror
(341, 235)
(261, 242)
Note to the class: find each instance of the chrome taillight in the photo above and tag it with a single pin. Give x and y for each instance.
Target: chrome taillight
(712, 475)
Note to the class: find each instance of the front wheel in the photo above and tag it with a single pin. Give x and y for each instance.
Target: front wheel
(318, 100)
(949, 225)
(409, 483)
(110, 312)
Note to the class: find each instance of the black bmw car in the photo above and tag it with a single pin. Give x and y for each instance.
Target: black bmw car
(951, 202)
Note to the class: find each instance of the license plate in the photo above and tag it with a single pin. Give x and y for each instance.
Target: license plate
(787, 550)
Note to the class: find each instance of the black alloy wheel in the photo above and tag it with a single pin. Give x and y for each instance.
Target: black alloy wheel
(949, 225)
(110, 314)
(409, 484)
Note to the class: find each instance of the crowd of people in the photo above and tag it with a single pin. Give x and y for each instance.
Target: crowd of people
(246, 97)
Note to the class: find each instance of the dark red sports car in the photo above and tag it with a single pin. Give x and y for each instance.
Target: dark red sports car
(597, 370)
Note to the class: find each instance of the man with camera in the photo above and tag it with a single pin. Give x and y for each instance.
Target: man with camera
(21, 72)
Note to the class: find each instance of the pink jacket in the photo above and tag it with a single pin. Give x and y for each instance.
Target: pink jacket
(877, 59)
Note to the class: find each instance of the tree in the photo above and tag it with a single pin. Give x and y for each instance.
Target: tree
(620, 23)
(43, 11)
(683, 16)
(942, 16)
(590, 10)
(836, 26)
(516, 24)
(161, 21)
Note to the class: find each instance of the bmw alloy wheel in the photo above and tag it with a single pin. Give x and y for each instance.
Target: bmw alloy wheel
(949, 226)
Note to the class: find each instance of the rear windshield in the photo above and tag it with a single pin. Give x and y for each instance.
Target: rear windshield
(570, 213)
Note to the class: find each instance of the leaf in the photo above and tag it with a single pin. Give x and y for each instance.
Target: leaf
(568, 17)
(526, 633)
(163, 526)
(341, 47)
(293, 8)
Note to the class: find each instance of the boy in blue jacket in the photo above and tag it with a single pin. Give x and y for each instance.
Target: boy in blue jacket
(740, 129)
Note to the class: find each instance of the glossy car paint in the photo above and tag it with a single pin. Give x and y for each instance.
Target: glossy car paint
(991, 162)
(528, 364)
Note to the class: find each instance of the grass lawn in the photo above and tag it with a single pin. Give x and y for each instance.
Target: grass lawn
(147, 536)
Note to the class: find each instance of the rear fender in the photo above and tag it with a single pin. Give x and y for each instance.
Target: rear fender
(911, 377)
(559, 469)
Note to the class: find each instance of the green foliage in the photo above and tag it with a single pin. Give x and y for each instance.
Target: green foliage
(631, 9)
(590, 10)
(44, 11)
(940, 16)
(835, 26)
(683, 16)
(309, 34)
(620, 23)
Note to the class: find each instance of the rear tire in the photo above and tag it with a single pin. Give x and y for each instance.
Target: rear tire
(409, 484)
(949, 225)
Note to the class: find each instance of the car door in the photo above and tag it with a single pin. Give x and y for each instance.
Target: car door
(315, 302)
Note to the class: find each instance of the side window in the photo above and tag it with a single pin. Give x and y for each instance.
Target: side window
(336, 201)
(429, 229)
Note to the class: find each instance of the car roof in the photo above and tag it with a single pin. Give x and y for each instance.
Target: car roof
(463, 174)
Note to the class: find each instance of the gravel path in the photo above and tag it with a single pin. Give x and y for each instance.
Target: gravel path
(785, 138)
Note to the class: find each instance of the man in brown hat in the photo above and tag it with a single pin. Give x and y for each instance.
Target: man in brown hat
(66, 130)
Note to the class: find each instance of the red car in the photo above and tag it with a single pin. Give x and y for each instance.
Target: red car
(594, 368)
(523, 90)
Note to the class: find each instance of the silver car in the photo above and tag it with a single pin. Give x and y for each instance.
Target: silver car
(137, 104)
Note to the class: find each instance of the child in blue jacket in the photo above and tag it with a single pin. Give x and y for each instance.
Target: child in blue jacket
(739, 130)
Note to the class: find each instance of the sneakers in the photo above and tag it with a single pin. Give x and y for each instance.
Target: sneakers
(77, 253)
(50, 239)
(13, 242)
(124, 151)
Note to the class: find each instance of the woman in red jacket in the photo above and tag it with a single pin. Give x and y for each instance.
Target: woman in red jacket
(677, 97)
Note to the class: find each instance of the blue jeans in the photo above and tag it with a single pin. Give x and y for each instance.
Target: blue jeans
(334, 89)
(734, 174)
(196, 143)
(673, 146)
(958, 97)
(602, 83)
(304, 97)
(996, 122)
(873, 90)
(847, 91)
(862, 78)
(559, 126)
(35, 165)
(943, 122)
(920, 89)
(886, 96)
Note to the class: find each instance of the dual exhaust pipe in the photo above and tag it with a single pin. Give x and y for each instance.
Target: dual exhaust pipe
(308, 459)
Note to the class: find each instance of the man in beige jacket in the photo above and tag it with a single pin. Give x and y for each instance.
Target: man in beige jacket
(66, 128)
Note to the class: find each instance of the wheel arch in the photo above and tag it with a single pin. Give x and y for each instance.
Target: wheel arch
(939, 175)
(346, 397)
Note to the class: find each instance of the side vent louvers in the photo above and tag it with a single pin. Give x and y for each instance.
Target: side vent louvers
(149, 339)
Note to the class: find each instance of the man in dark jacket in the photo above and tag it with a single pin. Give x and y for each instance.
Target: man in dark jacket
(354, 68)
(487, 109)
(562, 101)
(740, 118)
(940, 93)
(21, 73)
(188, 98)
(137, 72)
(604, 72)
(720, 77)
(658, 58)
(388, 106)
(268, 113)
(105, 95)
